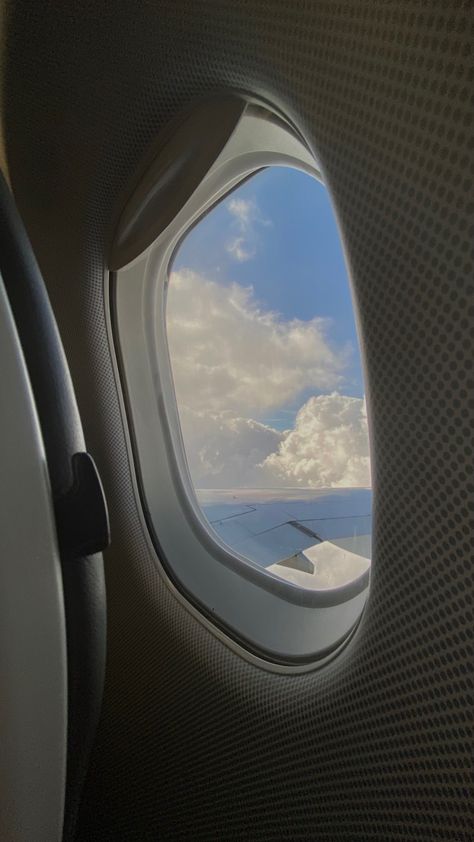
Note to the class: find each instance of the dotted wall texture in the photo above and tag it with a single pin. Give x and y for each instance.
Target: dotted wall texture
(194, 743)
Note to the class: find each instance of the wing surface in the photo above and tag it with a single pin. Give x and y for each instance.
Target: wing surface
(316, 538)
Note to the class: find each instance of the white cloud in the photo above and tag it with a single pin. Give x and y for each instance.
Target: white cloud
(232, 363)
(244, 210)
(229, 354)
(328, 446)
(247, 218)
(240, 250)
(225, 451)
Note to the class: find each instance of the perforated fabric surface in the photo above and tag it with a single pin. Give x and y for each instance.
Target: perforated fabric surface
(194, 742)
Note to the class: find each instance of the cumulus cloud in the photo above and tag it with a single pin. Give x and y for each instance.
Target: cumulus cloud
(230, 354)
(232, 363)
(226, 451)
(328, 446)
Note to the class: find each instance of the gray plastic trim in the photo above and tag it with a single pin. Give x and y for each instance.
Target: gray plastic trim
(33, 717)
(183, 156)
(238, 594)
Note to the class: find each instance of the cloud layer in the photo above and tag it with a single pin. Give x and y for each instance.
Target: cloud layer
(229, 354)
(226, 451)
(327, 448)
(232, 363)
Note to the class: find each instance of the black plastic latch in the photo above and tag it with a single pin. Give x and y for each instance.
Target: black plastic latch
(82, 519)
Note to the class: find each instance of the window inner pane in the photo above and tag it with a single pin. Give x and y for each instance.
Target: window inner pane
(268, 381)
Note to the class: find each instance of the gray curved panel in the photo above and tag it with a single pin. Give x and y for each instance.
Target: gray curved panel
(33, 697)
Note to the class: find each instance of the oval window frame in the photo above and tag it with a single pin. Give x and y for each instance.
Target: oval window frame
(233, 593)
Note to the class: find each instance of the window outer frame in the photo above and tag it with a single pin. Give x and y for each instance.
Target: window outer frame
(234, 593)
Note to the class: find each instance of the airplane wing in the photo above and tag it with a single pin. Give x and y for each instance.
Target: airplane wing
(315, 538)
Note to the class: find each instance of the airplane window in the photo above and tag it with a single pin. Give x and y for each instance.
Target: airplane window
(268, 381)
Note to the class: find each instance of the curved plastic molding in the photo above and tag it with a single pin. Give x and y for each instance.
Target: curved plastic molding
(179, 163)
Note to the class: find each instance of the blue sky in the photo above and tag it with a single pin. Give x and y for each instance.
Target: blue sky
(278, 233)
